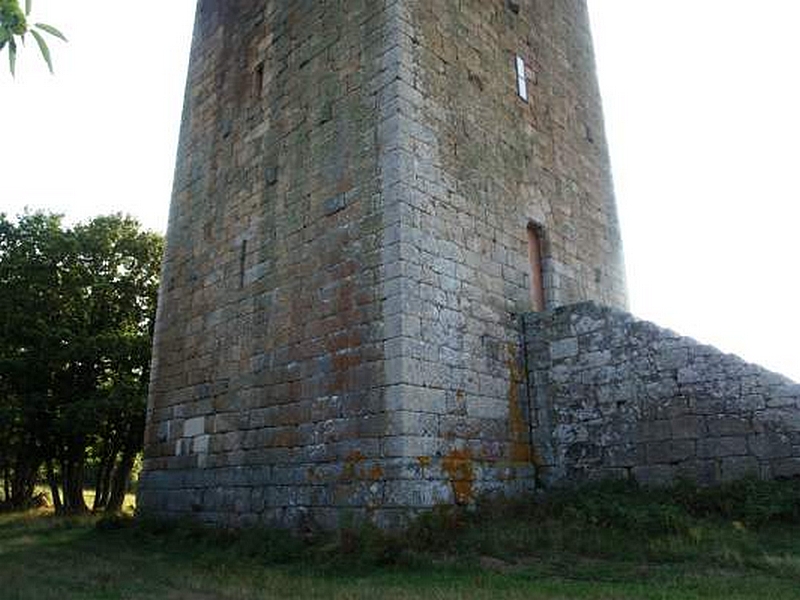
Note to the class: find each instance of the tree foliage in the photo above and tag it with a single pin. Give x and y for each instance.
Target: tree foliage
(76, 318)
(14, 27)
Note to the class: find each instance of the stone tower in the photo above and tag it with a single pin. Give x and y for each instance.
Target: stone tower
(368, 193)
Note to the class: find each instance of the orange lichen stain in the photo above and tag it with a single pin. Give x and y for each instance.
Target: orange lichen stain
(356, 470)
(344, 350)
(460, 471)
(350, 464)
(520, 452)
(355, 457)
(375, 473)
(518, 428)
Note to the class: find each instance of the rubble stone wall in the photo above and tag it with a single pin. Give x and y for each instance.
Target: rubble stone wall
(614, 396)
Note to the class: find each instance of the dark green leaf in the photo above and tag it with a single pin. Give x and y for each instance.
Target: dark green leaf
(12, 56)
(51, 30)
(44, 49)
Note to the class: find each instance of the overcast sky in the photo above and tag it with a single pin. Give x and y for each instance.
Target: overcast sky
(701, 100)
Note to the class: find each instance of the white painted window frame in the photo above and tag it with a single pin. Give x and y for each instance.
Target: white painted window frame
(522, 79)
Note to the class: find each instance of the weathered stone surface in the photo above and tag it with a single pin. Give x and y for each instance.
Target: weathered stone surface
(348, 261)
(348, 248)
(194, 427)
(670, 407)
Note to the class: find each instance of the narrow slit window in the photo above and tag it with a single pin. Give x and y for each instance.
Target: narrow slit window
(522, 79)
(242, 261)
(258, 81)
(535, 259)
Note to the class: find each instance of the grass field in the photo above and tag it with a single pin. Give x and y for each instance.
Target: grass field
(607, 543)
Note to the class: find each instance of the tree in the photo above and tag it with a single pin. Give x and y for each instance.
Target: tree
(118, 274)
(14, 27)
(30, 255)
(76, 320)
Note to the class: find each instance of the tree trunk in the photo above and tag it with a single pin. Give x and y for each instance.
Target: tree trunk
(23, 483)
(52, 481)
(98, 486)
(103, 481)
(6, 486)
(74, 503)
(119, 482)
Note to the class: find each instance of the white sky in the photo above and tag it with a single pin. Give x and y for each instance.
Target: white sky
(702, 102)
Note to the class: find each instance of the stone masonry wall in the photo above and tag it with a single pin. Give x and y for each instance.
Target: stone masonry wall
(615, 396)
(348, 248)
(478, 164)
(267, 394)
(500, 162)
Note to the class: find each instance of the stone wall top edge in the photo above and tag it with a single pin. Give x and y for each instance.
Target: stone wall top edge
(535, 322)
